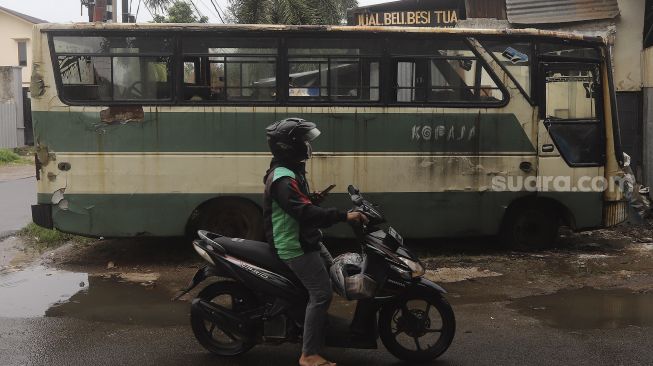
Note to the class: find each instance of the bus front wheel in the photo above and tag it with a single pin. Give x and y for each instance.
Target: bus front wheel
(232, 217)
(531, 226)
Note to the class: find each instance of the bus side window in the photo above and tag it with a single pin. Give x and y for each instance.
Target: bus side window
(442, 71)
(230, 69)
(334, 70)
(113, 69)
(515, 58)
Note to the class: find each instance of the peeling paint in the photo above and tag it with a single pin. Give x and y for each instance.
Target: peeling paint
(37, 85)
(122, 115)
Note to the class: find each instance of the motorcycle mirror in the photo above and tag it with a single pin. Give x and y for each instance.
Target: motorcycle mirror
(353, 191)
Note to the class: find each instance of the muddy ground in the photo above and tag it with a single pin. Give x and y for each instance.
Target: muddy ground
(587, 301)
(472, 270)
(620, 257)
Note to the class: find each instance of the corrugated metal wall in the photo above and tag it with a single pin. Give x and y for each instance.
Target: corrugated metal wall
(492, 9)
(11, 108)
(559, 11)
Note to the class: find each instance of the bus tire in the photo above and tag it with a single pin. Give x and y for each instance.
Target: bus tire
(232, 217)
(530, 226)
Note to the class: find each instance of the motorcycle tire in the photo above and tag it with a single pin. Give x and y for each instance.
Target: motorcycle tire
(396, 319)
(242, 299)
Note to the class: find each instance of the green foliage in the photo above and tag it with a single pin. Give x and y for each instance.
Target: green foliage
(157, 6)
(180, 12)
(42, 239)
(290, 11)
(8, 156)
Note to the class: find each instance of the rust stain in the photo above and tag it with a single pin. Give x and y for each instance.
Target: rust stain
(125, 114)
(46, 27)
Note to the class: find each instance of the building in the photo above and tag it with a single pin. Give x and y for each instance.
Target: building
(15, 73)
(15, 35)
(626, 24)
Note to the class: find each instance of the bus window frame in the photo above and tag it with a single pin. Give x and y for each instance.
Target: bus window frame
(172, 76)
(294, 40)
(599, 120)
(390, 89)
(532, 65)
(386, 98)
(179, 53)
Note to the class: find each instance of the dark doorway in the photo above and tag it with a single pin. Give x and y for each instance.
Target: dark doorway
(629, 105)
(27, 117)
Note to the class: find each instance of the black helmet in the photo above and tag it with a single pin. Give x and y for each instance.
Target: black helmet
(289, 139)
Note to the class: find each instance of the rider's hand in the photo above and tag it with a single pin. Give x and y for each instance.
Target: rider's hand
(356, 217)
(317, 197)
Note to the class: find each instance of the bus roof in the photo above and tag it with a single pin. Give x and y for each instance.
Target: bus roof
(53, 27)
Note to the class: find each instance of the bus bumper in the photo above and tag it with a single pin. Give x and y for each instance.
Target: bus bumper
(42, 215)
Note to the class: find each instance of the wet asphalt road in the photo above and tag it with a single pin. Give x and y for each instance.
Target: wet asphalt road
(16, 198)
(489, 334)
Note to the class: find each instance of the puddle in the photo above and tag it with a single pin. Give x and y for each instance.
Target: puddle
(589, 308)
(31, 292)
(114, 301)
(40, 291)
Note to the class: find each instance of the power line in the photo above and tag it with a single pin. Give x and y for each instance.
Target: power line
(138, 8)
(218, 10)
(149, 11)
(196, 9)
(210, 11)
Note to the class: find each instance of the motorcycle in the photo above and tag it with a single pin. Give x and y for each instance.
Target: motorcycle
(258, 300)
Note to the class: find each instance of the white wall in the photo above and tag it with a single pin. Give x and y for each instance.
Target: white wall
(628, 45)
(11, 29)
(12, 127)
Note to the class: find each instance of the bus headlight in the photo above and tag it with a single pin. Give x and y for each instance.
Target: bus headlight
(203, 253)
(417, 270)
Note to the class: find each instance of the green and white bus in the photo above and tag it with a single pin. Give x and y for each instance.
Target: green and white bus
(158, 129)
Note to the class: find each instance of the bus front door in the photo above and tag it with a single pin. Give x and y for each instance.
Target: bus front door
(571, 146)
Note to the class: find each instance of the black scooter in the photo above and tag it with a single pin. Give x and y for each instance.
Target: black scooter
(259, 300)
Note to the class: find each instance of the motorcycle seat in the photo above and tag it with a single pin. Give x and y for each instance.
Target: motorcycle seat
(257, 253)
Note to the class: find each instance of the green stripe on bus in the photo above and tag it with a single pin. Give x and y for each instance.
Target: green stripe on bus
(471, 133)
(424, 215)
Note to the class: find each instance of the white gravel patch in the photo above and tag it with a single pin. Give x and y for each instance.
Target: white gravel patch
(458, 274)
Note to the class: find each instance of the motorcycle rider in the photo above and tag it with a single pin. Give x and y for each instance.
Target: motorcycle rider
(292, 219)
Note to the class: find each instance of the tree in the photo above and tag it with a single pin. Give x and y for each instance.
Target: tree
(290, 11)
(179, 12)
(157, 6)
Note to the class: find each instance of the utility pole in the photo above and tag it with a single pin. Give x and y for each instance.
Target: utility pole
(127, 17)
(100, 11)
(125, 11)
(106, 11)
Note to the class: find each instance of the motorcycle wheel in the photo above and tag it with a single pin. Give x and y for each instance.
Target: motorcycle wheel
(417, 327)
(233, 296)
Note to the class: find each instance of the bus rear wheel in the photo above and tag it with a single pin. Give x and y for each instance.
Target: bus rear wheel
(232, 217)
(532, 226)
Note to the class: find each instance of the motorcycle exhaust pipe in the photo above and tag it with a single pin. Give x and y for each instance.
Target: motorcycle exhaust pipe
(225, 318)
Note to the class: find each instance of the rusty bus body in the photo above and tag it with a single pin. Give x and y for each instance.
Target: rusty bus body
(146, 129)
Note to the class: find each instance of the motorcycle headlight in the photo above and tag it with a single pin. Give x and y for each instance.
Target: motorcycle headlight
(417, 270)
(203, 253)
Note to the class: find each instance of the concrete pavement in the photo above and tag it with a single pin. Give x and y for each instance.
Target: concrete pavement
(489, 334)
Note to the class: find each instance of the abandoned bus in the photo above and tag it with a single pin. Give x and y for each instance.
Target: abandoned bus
(157, 130)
